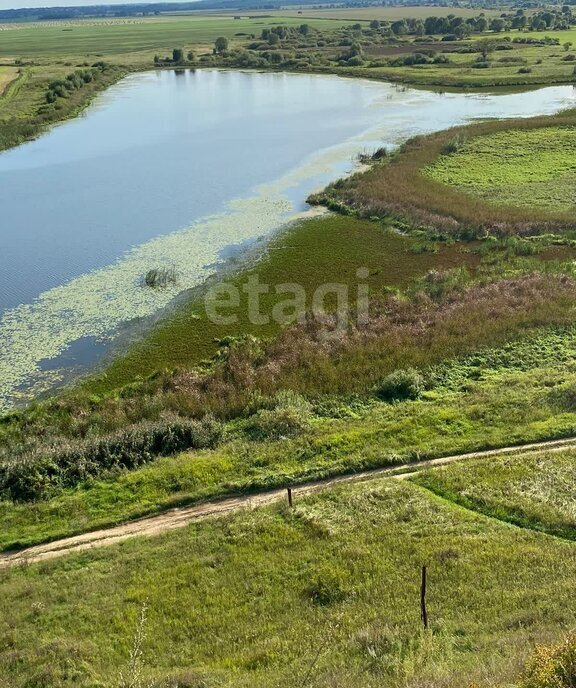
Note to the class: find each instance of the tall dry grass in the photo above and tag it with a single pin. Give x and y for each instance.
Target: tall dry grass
(399, 188)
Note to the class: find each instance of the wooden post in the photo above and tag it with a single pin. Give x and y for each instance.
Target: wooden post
(289, 490)
(423, 610)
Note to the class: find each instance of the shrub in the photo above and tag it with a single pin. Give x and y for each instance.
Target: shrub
(453, 145)
(401, 384)
(380, 153)
(277, 423)
(35, 475)
(355, 61)
(512, 60)
(563, 397)
(552, 666)
(524, 70)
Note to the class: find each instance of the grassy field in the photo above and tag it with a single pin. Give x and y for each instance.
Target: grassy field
(7, 76)
(323, 595)
(545, 64)
(537, 169)
(360, 13)
(134, 42)
(125, 37)
(480, 325)
(490, 399)
(535, 491)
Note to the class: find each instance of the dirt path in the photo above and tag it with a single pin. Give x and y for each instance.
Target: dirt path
(177, 518)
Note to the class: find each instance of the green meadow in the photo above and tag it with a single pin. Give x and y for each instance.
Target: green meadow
(321, 595)
(489, 399)
(537, 168)
(533, 490)
(124, 36)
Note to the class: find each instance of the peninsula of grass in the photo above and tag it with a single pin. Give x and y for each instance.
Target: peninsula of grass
(495, 177)
(520, 167)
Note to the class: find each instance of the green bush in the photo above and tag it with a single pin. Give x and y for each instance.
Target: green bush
(42, 471)
(277, 423)
(400, 385)
(285, 415)
(563, 397)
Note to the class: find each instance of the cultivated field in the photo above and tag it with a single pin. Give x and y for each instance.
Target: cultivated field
(121, 36)
(7, 76)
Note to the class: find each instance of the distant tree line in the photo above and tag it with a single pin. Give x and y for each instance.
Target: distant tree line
(460, 27)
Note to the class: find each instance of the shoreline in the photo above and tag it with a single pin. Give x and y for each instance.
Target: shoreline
(438, 86)
(126, 336)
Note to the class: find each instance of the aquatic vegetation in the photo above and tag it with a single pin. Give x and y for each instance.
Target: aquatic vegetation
(160, 278)
(96, 304)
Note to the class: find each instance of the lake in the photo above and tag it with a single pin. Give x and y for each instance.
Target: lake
(181, 169)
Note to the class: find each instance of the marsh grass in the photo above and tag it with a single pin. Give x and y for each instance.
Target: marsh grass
(311, 253)
(403, 188)
(160, 278)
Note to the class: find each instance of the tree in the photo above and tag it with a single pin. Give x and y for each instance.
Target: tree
(497, 25)
(276, 57)
(375, 25)
(399, 28)
(485, 48)
(519, 22)
(221, 44)
(304, 29)
(177, 55)
(190, 56)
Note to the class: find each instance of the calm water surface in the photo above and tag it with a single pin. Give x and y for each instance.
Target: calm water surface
(175, 169)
